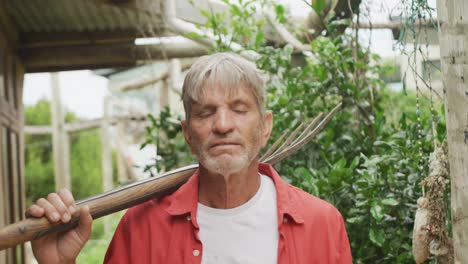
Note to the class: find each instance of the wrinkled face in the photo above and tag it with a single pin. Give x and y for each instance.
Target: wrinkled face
(226, 130)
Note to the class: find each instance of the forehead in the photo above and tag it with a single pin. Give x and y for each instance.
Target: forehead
(217, 94)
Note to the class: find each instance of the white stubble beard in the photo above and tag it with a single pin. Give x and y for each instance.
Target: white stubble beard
(228, 164)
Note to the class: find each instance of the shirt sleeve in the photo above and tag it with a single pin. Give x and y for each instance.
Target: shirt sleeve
(345, 254)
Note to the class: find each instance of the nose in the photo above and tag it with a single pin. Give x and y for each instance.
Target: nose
(223, 122)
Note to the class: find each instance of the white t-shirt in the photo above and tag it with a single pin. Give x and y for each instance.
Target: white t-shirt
(245, 234)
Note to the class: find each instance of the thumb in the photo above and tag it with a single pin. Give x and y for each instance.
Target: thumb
(84, 226)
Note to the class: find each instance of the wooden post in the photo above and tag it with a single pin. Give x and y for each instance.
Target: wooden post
(59, 138)
(157, 95)
(106, 149)
(453, 39)
(106, 156)
(121, 168)
(164, 95)
(3, 189)
(66, 159)
(175, 70)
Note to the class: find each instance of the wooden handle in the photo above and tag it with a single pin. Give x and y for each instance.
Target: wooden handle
(100, 205)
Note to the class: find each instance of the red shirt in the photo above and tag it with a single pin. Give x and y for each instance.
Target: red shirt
(165, 230)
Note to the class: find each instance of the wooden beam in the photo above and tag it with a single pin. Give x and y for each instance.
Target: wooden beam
(391, 25)
(145, 6)
(131, 4)
(7, 27)
(78, 126)
(151, 79)
(104, 56)
(73, 38)
(83, 125)
(60, 39)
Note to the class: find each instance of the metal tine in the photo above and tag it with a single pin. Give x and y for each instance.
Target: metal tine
(273, 147)
(289, 139)
(302, 141)
(312, 124)
(273, 159)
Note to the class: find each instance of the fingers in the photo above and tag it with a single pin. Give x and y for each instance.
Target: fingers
(68, 200)
(57, 207)
(35, 211)
(85, 224)
(50, 211)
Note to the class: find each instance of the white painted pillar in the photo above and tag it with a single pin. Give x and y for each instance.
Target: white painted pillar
(59, 138)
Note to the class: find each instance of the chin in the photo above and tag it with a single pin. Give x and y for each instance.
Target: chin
(226, 165)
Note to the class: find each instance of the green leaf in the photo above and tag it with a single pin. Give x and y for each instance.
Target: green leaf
(318, 5)
(280, 11)
(235, 10)
(354, 220)
(193, 35)
(303, 172)
(362, 203)
(314, 190)
(390, 201)
(143, 145)
(377, 236)
(259, 39)
(354, 163)
(377, 212)
(340, 164)
(205, 13)
(283, 100)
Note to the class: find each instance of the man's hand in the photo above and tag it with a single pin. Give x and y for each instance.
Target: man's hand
(61, 247)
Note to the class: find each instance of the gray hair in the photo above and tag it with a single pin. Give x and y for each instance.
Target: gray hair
(225, 70)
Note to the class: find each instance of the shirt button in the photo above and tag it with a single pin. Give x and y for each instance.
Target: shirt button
(188, 217)
(196, 252)
(285, 220)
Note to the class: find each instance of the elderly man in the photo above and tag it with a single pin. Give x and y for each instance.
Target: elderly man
(233, 209)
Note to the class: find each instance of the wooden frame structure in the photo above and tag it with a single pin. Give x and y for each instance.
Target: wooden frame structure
(11, 139)
(51, 35)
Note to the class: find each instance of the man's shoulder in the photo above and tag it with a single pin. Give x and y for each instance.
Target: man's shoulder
(150, 210)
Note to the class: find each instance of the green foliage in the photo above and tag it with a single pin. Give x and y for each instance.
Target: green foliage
(85, 157)
(85, 164)
(165, 132)
(367, 161)
(318, 5)
(94, 251)
(85, 168)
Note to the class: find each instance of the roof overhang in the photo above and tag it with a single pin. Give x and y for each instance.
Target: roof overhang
(56, 35)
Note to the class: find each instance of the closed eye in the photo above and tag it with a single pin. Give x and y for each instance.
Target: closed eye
(205, 113)
(240, 111)
(240, 107)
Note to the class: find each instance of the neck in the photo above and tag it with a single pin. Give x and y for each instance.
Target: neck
(230, 190)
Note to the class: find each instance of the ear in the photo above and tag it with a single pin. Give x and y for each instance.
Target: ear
(187, 137)
(267, 128)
